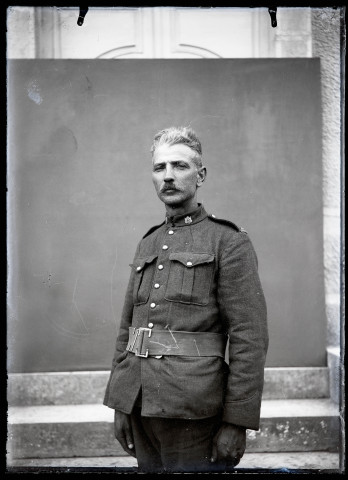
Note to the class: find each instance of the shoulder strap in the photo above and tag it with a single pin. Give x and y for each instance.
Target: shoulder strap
(152, 229)
(226, 222)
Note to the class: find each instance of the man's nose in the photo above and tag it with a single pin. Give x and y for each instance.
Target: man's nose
(169, 174)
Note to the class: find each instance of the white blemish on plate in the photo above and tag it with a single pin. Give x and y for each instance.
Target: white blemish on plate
(34, 92)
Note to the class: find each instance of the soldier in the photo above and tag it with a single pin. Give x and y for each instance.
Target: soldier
(182, 400)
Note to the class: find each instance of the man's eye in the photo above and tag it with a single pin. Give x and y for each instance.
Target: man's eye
(181, 165)
(157, 169)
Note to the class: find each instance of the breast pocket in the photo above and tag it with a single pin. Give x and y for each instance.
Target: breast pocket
(190, 277)
(144, 270)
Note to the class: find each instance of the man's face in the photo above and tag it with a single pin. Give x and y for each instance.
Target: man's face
(175, 175)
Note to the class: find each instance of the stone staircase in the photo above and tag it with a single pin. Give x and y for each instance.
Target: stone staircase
(61, 415)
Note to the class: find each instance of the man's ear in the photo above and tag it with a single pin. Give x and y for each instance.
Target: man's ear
(201, 176)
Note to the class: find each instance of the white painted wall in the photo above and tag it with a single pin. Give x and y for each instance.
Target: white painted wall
(160, 32)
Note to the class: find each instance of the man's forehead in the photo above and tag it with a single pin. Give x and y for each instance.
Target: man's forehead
(179, 151)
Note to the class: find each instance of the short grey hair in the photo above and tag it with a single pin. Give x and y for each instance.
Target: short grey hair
(176, 135)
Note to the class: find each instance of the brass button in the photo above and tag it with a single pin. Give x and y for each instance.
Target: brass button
(160, 267)
(170, 232)
(189, 264)
(138, 268)
(165, 247)
(156, 285)
(150, 325)
(152, 305)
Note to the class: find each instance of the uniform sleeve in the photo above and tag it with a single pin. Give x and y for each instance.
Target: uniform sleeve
(243, 311)
(122, 338)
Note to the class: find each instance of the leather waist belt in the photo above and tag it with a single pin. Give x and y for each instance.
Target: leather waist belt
(144, 342)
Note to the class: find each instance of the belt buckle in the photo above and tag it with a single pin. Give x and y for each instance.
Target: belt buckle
(140, 331)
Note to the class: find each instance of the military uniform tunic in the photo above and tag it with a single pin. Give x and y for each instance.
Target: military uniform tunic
(194, 273)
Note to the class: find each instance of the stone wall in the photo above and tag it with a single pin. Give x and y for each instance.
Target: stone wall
(327, 35)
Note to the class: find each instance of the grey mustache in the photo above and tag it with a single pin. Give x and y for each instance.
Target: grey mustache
(164, 189)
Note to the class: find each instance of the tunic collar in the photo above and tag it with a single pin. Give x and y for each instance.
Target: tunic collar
(189, 218)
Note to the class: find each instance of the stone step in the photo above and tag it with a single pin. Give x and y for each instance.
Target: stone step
(75, 388)
(87, 430)
(283, 461)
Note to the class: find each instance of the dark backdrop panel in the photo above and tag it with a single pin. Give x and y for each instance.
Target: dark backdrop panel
(81, 196)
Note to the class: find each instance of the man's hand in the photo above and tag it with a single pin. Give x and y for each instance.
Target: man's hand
(123, 432)
(229, 444)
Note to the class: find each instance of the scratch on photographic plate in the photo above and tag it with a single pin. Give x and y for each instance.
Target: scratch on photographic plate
(203, 116)
(197, 348)
(105, 186)
(176, 344)
(111, 287)
(76, 307)
(168, 347)
(68, 333)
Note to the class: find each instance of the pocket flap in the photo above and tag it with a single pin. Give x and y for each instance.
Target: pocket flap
(140, 263)
(190, 259)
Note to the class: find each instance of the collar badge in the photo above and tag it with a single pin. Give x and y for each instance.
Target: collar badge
(188, 219)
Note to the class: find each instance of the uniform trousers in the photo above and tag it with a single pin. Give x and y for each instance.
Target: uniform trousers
(164, 445)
